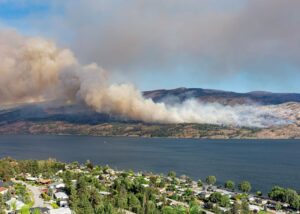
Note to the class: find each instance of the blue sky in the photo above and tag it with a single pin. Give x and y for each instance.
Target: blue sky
(229, 45)
(12, 10)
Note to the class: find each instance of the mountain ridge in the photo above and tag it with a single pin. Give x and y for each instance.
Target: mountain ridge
(223, 97)
(44, 118)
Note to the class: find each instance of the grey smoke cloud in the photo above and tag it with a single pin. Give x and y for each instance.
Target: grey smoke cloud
(35, 69)
(201, 43)
(218, 36)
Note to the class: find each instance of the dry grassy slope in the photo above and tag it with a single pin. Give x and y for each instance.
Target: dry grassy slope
(289, 111)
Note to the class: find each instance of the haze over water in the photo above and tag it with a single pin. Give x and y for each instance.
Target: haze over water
(262, 162)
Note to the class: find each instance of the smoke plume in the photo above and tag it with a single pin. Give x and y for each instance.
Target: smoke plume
(35, 69)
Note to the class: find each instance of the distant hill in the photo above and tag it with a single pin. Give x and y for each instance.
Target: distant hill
(223, 97)
(46, 118)
(80, 114)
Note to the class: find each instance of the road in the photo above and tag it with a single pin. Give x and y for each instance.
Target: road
(36, 192)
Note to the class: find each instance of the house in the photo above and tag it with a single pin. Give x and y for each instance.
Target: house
(203, 195)
(43, 210)
(63, 204)
(176, 203)
(30, 178)
(57, 185)
(104, 193)
(62, 196)
(3, 190)
(62, 210)
(45, 181)
(14, 202)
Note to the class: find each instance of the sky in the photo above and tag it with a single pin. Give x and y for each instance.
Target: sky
(236, 45)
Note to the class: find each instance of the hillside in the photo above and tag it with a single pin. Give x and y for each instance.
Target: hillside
(223, 97)
(46, 118)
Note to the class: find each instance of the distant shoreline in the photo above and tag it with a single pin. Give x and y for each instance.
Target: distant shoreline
(145, 137)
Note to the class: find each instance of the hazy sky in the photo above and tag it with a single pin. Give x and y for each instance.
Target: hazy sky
(239, 45)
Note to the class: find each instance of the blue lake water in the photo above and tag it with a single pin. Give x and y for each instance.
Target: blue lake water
(262, 162)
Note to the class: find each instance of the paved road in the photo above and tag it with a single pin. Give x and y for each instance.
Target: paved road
(36, 192)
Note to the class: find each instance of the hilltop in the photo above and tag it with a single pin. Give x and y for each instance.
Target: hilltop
(49, 118)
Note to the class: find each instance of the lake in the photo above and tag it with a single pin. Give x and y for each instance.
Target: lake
(262, 162)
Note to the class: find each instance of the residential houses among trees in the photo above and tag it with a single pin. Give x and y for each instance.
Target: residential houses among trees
(86, 189)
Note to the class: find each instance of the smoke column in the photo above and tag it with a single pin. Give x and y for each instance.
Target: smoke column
(35, 69)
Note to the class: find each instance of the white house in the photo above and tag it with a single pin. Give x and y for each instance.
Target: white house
(57, 185)
(63, 204)
(254, 208)
(61, 196)
(14, 202)
(104, 193)
(62, 210)
(30, 178)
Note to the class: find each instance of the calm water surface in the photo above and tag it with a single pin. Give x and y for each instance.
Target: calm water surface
(263, 162)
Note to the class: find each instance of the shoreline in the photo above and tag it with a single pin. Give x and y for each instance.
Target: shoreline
(143, 137)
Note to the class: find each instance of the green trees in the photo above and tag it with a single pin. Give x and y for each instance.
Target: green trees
(236, 207)
(277, 193)
(285, 195)
(151, 208)
(259, 193)
(211, 180)
(168, 210)
(7, 171)
(2, 205)
(173, 210)
(36, 211)
(172, 174)
(278, 206)
(134, 203)
(25, 210)
(229, 185)
(199, 183)
(219, 199)
(245, 207)
(245, 186)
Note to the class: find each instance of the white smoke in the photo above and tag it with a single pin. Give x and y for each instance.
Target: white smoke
(34, 69)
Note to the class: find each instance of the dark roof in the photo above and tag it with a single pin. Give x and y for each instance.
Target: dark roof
(42, 209)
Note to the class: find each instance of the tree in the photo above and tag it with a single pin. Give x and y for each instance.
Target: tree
(194, 209)
(245, 186)
(14, 206)
(277, 193)
(278, 206)
(150, 207)
(245, 207)
(211, 180)
(168, 210)
(36, 211)
(292, 197)
(2, 205)
(229, 185)
(172, 174)
(25, 210)
(89, 164)
(219, 199)
(235, 209)
(225, 201)
(259, 193)
(199, 183)
(134, 203)
(215, 197)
